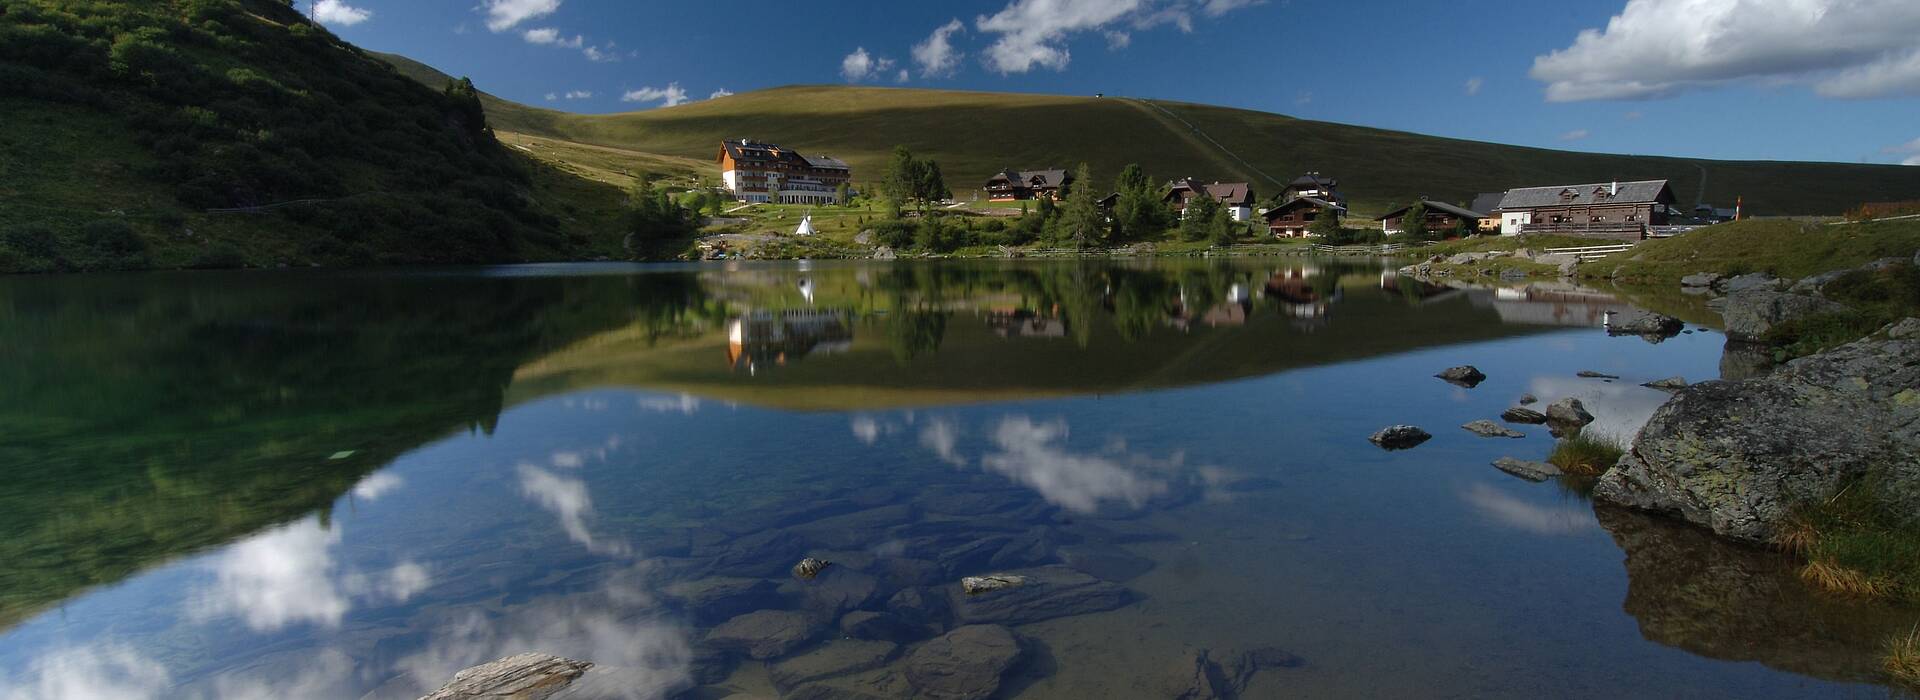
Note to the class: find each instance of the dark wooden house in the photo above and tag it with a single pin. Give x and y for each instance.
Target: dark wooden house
(1295, 218)
(1236, 197)
(1441, 216)
(1012, 185)
(1602, 209)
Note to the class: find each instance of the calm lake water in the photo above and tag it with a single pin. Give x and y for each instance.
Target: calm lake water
(355, 484)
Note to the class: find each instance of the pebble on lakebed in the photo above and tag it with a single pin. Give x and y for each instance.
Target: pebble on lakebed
(975, 585)
(809, 568)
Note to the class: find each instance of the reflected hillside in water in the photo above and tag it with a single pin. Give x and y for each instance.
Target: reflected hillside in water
(861, 337)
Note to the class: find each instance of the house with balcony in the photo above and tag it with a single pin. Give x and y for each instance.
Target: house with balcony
(1015, 185)
(1440, 216)
(1295, 217)
(1603, 209)
(1236, 197)
(754, 171)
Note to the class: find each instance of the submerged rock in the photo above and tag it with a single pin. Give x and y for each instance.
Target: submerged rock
(765, 634)
(867, 624)
(1526, 416)
(1465, 375)
(965, 664)
(524, 677)
(1740, 456)
(976, 585)
(1531, 471)
(837, 658)
(718, 598)
(1487, 428)
(1047, 592)
(1399, 437)
(809, 568)
(1674, 383)
(1219, 675)
(1590, 374)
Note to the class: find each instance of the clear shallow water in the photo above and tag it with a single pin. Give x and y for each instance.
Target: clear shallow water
(357, 484)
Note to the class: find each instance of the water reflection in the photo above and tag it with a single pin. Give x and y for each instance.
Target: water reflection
(288, 576)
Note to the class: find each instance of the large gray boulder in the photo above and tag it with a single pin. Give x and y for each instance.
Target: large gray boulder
(1644, 323)
(1740, 456)
(1749, 314)
(1750, 282)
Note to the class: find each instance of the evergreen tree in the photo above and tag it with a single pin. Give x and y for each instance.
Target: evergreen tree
(1197, 221)
(1326, 224)
(903, 176)
(1414, 223)
(1080, 218)
(840, 195)
(1220, 227)
(1140, 211)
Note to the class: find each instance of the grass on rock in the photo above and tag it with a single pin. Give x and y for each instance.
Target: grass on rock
(1856, 545)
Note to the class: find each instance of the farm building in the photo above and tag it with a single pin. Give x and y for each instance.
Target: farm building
(1012, 185)
(1603, 209)
(1441, 216)
(1237, 197)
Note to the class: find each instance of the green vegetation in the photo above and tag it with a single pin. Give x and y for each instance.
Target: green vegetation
(1785, 248)
(1413, 224)
(129, 123)
(1875, 298)
(974, 134)
(1857, 544)
(1903, 659)
(1587, 454)
(1140, 212)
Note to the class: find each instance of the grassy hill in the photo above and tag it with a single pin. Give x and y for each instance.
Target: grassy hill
(974, 134)
(130, 123)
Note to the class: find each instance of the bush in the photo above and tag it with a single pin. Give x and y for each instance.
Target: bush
(32, 241)
(220, 255)
(894, 234)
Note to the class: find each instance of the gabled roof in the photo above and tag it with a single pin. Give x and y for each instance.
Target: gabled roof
(826, 162)
(1594, 193)
(1461, 212)
(1487, 202)
(1315, 180)
(750, 150)
(1231, 192)
(1055, 177)
(1298, 202)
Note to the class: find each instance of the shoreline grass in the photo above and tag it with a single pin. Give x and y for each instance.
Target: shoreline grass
(1856, 545)
(1587, 454)
(1903, 659)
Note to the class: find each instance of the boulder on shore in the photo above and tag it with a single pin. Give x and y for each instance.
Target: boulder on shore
(1750, 282)
(1700, 279)
(1399, 437)
(1740, 456)
(1465, 375)
(1749, 314)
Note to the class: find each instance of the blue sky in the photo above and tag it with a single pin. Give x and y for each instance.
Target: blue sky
(1735, 79)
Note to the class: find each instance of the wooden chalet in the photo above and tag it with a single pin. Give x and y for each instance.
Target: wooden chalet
(1236, 197)
(1294, 218)
(1013, 185)
(1314, 185)
(1603, 209)
(1441, 216)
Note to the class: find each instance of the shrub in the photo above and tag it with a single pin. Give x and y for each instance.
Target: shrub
(220, 255)
(32, 241)
(1587, 454)
(112, 237)
(1903, 659)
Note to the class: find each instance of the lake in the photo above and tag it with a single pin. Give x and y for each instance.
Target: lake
(355, 484)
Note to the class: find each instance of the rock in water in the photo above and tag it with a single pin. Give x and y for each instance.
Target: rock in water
(1645, 324)
(1487, 428)
(1700, 279)
(1399, 437)
(1569, 412)
(1531, 471)
(1528, 399)
(1740, 456)
(523, 677)
(976, 585)
(837, 658)
(1049, 592)
(1674, 383)
(965, 664)
(1527, 416)
(809, 568)
(1750, 314)
(765, 634)
(1590, 374)
(1465, 375)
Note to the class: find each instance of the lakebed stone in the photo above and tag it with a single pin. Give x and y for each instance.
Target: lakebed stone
(1531, 471)
(867, 624)
(836, 658)
(1399, 437)
(1487, 428)
(968, 663)
(721, 597)
(1740, 456)
(809, 568)
(765, 634)
(976, 585)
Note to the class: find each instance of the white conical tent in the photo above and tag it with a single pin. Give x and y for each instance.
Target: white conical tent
(806, 226)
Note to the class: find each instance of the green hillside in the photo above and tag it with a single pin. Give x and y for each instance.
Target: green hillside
(974, 134)
(128, 125)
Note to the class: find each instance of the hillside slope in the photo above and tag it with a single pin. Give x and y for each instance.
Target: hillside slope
(974, 134)
(129, 125)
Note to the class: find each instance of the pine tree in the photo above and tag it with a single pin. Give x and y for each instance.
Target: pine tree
(1414, 223)
(1080, 218)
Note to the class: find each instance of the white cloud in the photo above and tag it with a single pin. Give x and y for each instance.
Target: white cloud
(1034, 33)
(1659, 48)
(1474, 84)
(668, 96)
(601, 55)
(860, 65)
(684, 404)
(1303, 98)
(548, 36)
(936, 56)
(552, 96)
(1575, 135)
(722, 92)
(578, 95)
(1910, 149)
(503, 15)
(567, 499)
(281, 577)
(1514, 512)
(903, 76)
(339, 13)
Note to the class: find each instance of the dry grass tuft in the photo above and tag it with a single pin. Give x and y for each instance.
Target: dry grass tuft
(1798, 536)
(1903, 659)
(1834, 578)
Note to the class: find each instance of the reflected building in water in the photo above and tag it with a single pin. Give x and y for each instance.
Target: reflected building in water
(1304, 293)
(1552, 305)
(775, 338)
(1027, 323)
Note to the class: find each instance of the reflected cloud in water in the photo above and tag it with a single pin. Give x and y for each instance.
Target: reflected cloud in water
(942, 437)
(1031, 454)
(95, 672)
(288, 576)
(566, 497)
(1620, 409)
(1518, 513)
(684, 404)
(376, 485)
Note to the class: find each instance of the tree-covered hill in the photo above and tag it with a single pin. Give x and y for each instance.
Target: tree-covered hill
(129, 123)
